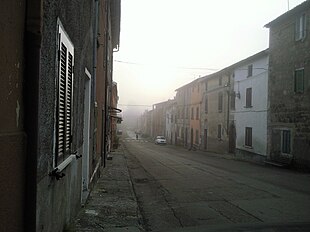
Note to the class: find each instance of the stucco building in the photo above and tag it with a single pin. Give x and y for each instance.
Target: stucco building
(216, 118)
(171, 112)
(183, 102)
(250, 111)
(195, 117)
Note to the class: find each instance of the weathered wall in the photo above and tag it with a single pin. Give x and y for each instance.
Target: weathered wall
(196, 99)
(214, 117)
(58, 201)
(12, 135)
(288, 109)
(183, 101)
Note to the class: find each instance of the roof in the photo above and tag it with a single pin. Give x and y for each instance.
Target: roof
(188, 85)
(300, 8)
(238, 64)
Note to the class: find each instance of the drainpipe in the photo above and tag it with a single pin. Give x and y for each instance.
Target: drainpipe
(105, 136)
(95, 48)
(93, 92)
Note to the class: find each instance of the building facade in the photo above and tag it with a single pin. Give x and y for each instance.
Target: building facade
(289, 87)
(195, 117)
(171, 122)
(216, 115)
(183, 102)
(53, 136)
(250, 111)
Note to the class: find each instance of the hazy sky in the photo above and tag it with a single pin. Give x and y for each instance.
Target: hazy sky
(165, 44)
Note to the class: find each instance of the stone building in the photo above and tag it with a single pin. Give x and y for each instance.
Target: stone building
(289, 87)
(49, 106)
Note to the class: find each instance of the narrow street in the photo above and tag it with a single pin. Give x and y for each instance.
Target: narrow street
(181, 190)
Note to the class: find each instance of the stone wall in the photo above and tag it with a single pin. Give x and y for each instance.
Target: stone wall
(289, 110)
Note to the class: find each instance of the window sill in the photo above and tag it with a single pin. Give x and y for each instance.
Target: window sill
(57, 172)
(246, 107)
(248, 147)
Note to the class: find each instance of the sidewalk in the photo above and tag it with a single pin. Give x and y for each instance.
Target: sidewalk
(112, 205)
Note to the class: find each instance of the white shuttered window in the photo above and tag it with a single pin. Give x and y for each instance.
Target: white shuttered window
(64, 96)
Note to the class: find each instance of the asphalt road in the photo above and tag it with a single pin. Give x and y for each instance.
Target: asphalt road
(181, 190)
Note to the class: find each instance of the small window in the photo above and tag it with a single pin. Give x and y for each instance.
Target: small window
(248, 98)
(219, 131)
(300, 27)
(197, 113)
(198, 88)
(220, 81)
(206, 105)
(248, 136)
(250, 70)
(286, 142)
(220, 102)
(171, 118)
(299, 81)
(206, 85)
(192, 116)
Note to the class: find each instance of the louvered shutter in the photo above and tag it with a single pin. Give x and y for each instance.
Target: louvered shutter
(65, 97)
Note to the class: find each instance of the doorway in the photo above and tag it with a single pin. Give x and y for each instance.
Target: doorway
(205, 143)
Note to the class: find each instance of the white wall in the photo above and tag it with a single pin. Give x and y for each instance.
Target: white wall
(256, 116)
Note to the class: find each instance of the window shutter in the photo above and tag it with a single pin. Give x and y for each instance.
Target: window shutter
(299, 81)
(220, 101)
(286, 141)
(248, 136)
(248, 99)
(69, 102)
(62, 99)
(65, 97)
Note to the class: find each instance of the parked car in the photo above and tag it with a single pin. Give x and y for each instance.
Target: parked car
(160, 140)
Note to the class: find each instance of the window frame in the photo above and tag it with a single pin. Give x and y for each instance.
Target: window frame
(296, 89)
(192, 113)
(286, 141)
(219, 131)
(197, 113)
(220, 102)
(250, 70)
(248, 98)
(300, 27)
(64, 98)
(248, 137)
